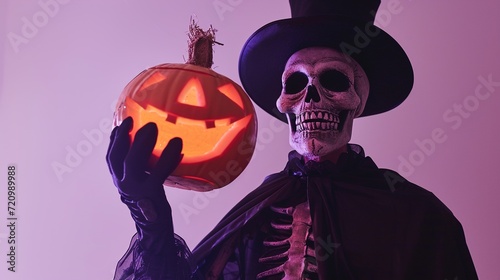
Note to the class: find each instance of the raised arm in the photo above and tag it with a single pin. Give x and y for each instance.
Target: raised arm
(153, 252)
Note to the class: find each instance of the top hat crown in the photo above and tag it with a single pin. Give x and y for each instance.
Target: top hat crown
(364, 10)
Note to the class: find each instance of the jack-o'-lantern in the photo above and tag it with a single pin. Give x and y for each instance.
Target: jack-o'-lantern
(211, 114)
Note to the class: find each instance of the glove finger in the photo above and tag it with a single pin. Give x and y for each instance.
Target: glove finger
(119, 147)
(111, 141)
(169, 160)
(136, 162)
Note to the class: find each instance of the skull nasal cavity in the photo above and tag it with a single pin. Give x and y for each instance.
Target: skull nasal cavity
(312, 94)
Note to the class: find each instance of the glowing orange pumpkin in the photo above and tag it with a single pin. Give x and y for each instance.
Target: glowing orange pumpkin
(213, 115)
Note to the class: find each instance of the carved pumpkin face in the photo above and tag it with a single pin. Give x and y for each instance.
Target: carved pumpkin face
(212, 114)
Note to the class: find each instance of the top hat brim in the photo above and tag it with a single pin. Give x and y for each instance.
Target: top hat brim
(264, 55)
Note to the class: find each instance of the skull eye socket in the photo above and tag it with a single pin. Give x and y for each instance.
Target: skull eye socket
(334, 80)
(296, 82)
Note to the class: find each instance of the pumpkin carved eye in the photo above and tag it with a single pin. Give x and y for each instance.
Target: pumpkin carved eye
(192, 94)
(232, 93)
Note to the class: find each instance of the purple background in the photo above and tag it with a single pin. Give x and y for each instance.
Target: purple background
(60, 78)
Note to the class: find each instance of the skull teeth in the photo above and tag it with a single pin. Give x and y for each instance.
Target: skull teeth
(317, 126)
(317, 120)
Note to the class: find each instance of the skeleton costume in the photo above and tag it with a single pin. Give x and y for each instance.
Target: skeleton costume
(364, 227)
(317, 219)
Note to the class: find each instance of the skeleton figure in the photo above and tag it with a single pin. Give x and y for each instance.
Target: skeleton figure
(323, 91)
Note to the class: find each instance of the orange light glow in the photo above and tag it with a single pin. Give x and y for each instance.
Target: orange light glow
(232, 94)
(210, 113)
(199, 142)
(192, 94)
(153, 79)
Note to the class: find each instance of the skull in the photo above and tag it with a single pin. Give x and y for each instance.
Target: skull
(323, 91)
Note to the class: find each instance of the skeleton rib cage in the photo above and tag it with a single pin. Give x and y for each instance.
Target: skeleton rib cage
(289, 248)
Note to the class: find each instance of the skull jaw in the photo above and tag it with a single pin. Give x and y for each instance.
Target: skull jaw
(317, 148)
(320, 145)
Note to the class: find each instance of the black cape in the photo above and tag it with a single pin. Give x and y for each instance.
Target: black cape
(368, 223)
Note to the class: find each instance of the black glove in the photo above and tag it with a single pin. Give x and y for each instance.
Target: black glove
(140, 190)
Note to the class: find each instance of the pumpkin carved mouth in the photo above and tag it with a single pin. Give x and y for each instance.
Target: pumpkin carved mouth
(202, 140)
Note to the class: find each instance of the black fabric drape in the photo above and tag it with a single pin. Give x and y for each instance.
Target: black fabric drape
(368, 223)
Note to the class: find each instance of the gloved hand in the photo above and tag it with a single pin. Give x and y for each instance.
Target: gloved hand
(143, 191)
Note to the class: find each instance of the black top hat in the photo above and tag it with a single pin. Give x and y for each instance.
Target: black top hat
(345, 25)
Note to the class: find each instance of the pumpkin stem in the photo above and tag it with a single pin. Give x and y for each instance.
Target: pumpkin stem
(200, 45)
